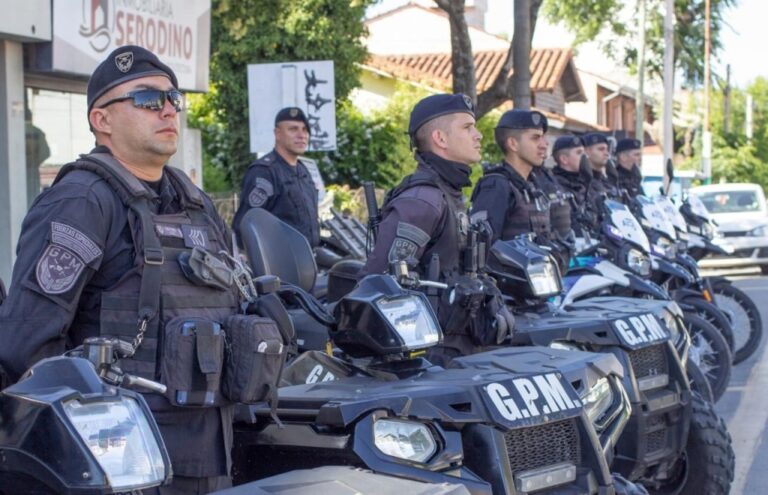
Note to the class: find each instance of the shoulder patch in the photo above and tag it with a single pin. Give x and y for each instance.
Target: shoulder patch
(75, 241)
(260, 193)
(58, 269)
(402, 250)
(412, 233)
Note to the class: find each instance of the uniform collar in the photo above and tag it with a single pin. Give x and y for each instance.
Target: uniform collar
(455, 174)
(510, 173)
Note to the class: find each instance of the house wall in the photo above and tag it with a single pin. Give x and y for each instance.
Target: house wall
(551, 102)
(374, 91)
(416, 30)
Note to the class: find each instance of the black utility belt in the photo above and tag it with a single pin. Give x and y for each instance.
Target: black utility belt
(205, 363)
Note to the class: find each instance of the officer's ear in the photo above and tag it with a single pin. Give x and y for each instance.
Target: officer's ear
(100, 120)
(512, 143)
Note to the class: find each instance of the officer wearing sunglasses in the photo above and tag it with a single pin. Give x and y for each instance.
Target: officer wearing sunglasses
(98, 255)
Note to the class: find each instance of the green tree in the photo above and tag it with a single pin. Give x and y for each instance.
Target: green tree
(734, 157)
(588, 19)
(258, 31)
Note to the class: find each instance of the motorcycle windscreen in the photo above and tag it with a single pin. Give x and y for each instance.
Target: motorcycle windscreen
(697, 207)
(627, 224)
(656, 217)
(672, 213)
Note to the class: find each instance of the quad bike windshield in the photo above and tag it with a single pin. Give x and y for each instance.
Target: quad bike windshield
(626, 226)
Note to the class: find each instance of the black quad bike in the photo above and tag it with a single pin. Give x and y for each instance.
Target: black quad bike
(671, 429)
(71, 426)
(515, 420)
(623, 241)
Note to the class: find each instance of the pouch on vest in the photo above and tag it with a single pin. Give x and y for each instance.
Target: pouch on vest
(193, 361)
(256, 355)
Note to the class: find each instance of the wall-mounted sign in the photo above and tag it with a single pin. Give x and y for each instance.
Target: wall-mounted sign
(307, 85)
(177, 31)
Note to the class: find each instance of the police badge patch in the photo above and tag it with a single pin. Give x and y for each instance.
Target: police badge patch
(401, 250)
(58, 269)
(124, 61)
(64, 259)
(260, 193)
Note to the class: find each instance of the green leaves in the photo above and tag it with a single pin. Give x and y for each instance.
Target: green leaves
(260, 31)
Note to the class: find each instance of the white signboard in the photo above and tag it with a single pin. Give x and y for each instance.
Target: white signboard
(177, 31)
(307, 85)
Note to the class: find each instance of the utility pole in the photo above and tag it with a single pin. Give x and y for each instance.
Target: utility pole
(706, 152)
(669, 86)
(727, 100)
(639, 103)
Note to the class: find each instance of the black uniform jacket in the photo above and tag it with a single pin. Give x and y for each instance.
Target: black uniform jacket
(286, 191)
(83, 214)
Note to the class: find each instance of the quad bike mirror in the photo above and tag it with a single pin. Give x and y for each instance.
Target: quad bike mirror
(585, 168)
(670, 170)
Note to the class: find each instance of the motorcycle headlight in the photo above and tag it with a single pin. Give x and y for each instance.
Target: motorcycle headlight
(545, 280)
(638, 262)
(598, 400)
(407, 440)
(411, 319)
(707, 230)
(672, 325)
(120, 438)
(667, 247)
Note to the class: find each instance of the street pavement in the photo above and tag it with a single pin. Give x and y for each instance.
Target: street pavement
(744, 406)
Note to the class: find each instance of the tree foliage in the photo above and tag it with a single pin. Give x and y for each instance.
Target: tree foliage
(260, 31)
(375, 146)
(588, 19)
(734, 157)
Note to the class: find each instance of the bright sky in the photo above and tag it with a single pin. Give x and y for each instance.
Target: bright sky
(744, 36)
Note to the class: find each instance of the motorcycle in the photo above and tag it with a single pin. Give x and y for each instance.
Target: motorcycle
(738, 307)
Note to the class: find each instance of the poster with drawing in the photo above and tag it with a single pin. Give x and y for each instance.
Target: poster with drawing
(307, 85)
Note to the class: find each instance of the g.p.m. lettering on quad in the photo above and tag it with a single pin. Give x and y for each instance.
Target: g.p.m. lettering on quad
(640, 330)
(533, 399)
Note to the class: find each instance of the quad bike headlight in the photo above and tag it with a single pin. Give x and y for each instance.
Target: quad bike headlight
(638, 262)
(666, 247)
(120, 439)
(407, 440)
(564, 346)
(411, 319)
(545, 279)
(597, 401)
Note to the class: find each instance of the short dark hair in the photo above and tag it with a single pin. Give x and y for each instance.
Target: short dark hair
(502, 134)
(422, 140)
(557, 154)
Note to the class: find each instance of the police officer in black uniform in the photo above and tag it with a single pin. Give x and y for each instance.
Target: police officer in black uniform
(98, 253)
(507, 196)
(629, 158)
(424, 219)
(280, 183)
(588, 192)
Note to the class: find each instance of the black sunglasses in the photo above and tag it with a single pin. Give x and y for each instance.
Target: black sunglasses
(151, 99)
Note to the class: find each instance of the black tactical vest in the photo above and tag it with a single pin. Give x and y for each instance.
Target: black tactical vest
(631, 180)
(531, 211)
(559, 203)
(451, 240)
(297, 203)
(155, 289)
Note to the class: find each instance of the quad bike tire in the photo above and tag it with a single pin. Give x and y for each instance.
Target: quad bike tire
(710, 352)
(745, 318)
(708, 463)
(698, 381)
(716, 317)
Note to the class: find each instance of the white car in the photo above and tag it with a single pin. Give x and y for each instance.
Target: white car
(742, 217)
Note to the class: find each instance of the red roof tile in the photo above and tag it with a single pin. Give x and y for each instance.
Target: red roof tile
(435, 69)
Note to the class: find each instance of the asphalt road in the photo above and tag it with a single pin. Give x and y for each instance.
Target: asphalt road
(745, 405)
